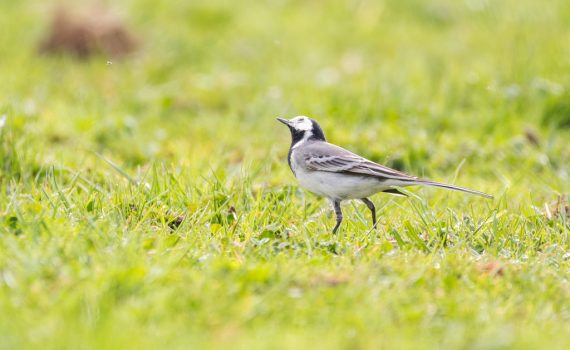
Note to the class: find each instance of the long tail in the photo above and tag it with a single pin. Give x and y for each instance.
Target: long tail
(455, 188)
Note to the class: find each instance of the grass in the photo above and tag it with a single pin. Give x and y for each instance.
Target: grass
(146, 202)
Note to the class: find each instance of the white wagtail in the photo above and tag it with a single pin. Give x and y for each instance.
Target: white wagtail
(337, 174)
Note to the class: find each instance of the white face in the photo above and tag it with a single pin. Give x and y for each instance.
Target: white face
(301, 123)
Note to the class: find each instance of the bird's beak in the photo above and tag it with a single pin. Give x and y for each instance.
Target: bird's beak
(284, 121)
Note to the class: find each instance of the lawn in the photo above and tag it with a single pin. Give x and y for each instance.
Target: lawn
(146, 201)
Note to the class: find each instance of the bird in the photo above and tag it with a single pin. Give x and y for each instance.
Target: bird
(337, 174)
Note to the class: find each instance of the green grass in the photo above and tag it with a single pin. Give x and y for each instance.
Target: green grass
(147, 203)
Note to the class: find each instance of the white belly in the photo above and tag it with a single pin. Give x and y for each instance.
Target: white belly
(339, 186)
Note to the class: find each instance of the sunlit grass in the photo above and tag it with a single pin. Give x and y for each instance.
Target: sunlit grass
(147, 202)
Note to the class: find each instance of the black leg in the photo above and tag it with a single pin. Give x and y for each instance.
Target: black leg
(338, 213)
(372, 208)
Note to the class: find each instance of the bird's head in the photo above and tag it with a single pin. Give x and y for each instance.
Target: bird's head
(303, 129)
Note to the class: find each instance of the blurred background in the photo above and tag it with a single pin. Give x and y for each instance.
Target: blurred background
(413, 84)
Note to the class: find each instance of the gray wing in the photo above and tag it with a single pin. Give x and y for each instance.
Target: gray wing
(322, 156)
